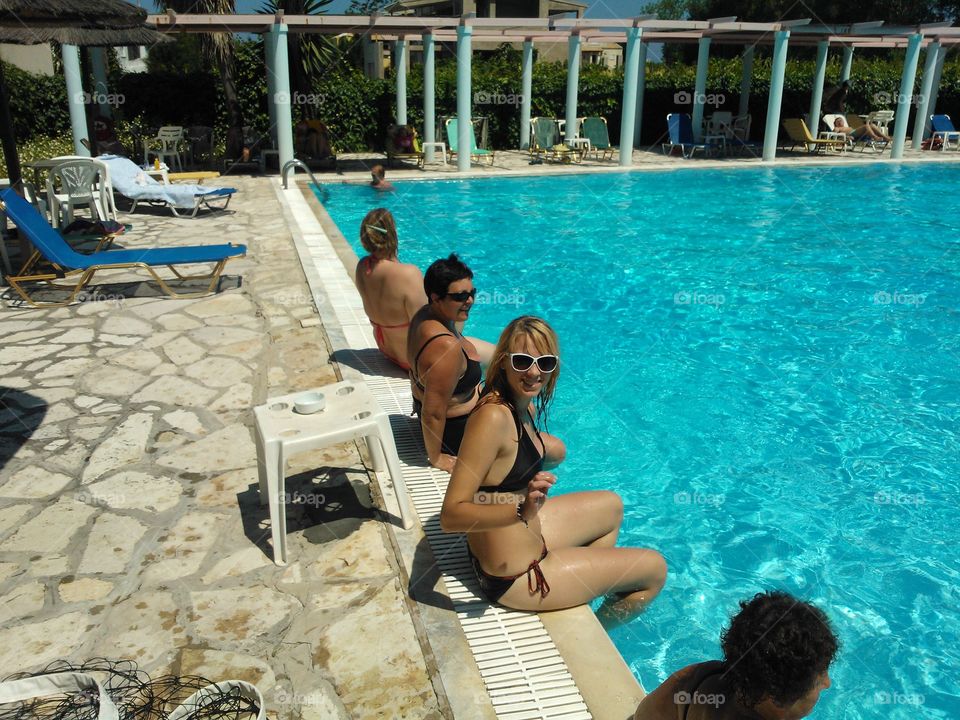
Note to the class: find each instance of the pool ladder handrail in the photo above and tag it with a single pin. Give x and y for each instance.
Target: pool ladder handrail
(292, 165)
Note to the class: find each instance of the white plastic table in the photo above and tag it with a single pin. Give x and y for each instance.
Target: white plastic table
(351, 412)
(441, 146)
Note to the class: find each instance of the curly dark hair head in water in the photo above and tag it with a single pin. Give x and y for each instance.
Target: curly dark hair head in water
(777, 646)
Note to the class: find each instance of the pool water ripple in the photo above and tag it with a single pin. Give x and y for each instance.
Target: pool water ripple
(763, 363)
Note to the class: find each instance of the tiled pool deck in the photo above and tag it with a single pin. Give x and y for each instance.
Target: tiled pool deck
(129, 519)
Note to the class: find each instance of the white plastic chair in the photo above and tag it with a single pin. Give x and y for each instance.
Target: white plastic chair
(721, 123)
(166, 146)
(882, 119)
(75, 183)
(741, 127)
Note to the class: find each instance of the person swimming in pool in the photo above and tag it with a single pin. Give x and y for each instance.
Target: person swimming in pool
(378, 179)
(531, 552)
(391, 291)
(776, 661)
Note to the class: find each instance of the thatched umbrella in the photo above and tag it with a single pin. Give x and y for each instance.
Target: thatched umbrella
(73, 22)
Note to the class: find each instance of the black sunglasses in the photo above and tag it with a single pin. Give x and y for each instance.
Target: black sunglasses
(521, 362)
(461, 296)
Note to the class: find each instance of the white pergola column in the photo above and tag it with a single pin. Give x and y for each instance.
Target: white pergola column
(772, 129)
(526, 90)
(847, 63)
(269, 47)
(464, 56)
(573, 82)
(906, 91)
(926, 92)
(400, 57)
(75, 98)
(98, 63)
(932, 110)
(746, 80)
(816, 97)
(429, 96)
(280, 68)
(631, 71)
(641, 91)
(700, 87)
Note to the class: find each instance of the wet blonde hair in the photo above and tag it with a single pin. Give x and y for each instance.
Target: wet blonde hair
(378, 233)
(511, 340)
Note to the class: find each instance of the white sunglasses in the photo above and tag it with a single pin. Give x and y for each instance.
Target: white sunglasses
(521, 362)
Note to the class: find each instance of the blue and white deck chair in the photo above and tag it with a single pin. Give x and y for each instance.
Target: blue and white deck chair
(134, 183)
(942, 127)
(65, 262)
(680, 131)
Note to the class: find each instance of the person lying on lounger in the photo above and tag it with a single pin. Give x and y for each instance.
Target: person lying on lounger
(776, 660)
(868, 129)
(531, 552)
(391, 291)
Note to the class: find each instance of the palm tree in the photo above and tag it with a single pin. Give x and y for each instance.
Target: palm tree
(217, 49)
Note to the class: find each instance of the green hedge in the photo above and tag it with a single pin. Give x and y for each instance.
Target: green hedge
(357, 109)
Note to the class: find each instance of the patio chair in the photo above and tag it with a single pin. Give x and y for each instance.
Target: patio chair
(595, 130)
(67, 263)
(943, 130)
(199, 143)
(799, 134)
(882, 119)
(545, 140)
(680, 132)
(403, 143)
(78, 182)
(132, 182)
(453, 141)
(166, 145)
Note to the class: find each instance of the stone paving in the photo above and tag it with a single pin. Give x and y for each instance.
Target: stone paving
(130, 525)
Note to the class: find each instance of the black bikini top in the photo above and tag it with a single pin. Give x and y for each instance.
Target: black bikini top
(528, 463)
(468, 381)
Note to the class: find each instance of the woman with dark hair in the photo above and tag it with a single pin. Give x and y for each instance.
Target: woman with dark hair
(391, 291)
(563, 546)
(445, 371)
(776, 660)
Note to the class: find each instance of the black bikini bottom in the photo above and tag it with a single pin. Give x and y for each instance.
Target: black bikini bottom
(452, 430)
(494, 586)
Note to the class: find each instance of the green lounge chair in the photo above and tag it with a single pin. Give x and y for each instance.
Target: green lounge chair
(546, 141)
(594, 129)
(66, 262)
(453, 141)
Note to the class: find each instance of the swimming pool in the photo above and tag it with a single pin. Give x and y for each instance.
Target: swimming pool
(763, 362)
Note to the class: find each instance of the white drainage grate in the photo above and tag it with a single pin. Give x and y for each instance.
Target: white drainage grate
(525, 676)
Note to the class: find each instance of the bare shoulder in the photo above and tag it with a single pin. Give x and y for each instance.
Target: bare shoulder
(661, 703)
(492, 416)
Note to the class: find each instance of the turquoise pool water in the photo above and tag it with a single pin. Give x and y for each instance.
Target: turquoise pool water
(764, 363)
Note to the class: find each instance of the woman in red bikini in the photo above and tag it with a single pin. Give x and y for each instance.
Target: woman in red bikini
(530, 552)
(391, 291)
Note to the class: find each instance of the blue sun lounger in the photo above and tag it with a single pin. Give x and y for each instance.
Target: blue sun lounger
(680, 130)
(67, 262)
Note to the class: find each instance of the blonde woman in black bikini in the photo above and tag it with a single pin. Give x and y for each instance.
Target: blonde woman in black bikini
(531, 553)
(391, 291)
